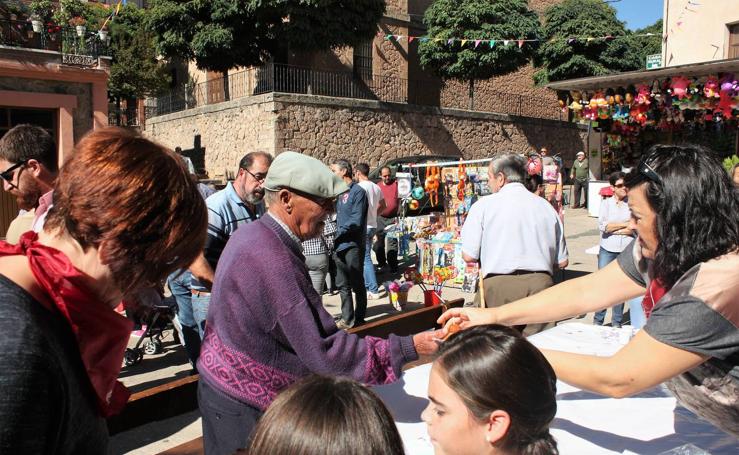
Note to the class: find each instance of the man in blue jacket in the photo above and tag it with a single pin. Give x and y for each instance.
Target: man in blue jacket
(351, 220)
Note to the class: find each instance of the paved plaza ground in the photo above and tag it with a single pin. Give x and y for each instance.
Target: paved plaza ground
(581, 233)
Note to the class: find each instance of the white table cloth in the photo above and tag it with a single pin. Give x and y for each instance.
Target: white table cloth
(586, 423)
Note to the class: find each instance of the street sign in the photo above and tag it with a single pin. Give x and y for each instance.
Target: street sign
(654, 61)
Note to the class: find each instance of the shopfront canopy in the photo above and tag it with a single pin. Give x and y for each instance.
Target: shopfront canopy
(647, 76)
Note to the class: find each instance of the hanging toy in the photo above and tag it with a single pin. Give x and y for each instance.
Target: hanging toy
(711, 87)
(413, 203)
(679, 87)
(534, 165)
(462, 173)
(432, 184)
(642, 95)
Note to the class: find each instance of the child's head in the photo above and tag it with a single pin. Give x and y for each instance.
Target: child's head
(325, 416)
(491, 391)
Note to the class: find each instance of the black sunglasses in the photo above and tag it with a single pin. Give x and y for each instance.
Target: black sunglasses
(645, 168)
(258, 177)
(7, 174)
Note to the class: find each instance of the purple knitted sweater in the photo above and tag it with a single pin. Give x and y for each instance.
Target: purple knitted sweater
(267, 326)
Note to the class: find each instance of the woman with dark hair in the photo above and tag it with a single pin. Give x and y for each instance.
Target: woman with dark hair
(685, 211)
(615, 236)
(323, 415)
(125, 214)
(491, 392)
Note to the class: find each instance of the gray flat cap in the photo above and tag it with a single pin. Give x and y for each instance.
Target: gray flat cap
(303, 173)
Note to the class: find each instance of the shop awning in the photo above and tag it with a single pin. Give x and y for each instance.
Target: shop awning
(646, 77)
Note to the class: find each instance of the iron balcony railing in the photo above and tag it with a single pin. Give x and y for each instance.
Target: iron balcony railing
(282, 78)
(77, 46)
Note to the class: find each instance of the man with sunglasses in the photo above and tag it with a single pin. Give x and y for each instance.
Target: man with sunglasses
(239, 203)
(28, 168)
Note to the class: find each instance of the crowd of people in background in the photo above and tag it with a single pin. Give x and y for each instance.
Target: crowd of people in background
(248, 265)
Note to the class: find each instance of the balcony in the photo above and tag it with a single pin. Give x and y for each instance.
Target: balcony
(280, 78)
(76, 46)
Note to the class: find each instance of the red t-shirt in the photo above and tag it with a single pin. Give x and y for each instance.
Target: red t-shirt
(390, 194)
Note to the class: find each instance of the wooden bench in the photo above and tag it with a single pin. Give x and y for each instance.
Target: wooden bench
(180, 396)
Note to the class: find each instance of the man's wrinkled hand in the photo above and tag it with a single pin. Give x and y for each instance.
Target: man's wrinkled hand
(427, 343)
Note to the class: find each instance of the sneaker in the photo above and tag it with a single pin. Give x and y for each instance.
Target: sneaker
(341, 325)
(373, 295)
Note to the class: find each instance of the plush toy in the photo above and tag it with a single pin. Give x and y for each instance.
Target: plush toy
(610, 97)
(642, 95)
(679, 87)
(630, 93)
(730, 84)
(462, 174)
(725, 104)
(432, 184)
(711, 87)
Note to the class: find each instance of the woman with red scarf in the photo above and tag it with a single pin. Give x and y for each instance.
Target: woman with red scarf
(125, 214)
(685, 262)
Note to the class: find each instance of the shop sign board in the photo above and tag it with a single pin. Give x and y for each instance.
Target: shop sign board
(654, 61)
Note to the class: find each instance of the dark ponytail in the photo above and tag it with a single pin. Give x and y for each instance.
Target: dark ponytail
(542, 444)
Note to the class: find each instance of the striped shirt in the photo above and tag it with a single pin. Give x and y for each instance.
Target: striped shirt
(226, 213)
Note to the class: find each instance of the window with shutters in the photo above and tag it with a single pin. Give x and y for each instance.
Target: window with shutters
(734, 41)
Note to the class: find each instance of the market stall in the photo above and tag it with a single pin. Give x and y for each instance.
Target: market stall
(696, 103)
(454, 187)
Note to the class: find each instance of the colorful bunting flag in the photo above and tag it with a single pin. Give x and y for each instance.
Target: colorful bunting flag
(492, 43)
(520, 43)
(477, 43)
(464, 41)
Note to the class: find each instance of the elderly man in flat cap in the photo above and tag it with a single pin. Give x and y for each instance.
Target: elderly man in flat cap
(267, 327)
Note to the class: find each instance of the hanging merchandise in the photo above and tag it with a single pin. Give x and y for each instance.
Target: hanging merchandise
(461, 187)
(432, 184)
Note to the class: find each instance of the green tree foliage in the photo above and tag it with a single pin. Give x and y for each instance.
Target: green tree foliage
(567, 52)
(135, 71)
(478, 19)
(641, 46)
(223, 34)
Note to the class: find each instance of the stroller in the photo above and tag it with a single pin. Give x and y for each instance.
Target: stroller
(159, 319)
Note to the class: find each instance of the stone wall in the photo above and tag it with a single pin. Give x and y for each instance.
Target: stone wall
(227, 131)
(375, 132)
(358, 130)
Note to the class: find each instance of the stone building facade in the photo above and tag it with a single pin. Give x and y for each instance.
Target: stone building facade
(358, 130)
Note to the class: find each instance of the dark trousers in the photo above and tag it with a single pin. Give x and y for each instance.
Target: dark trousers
(227, 424)
(502, 289)
(391, 256)
(578, 186)
(350, 277)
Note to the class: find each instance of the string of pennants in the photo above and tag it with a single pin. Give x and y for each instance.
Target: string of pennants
(505, 42)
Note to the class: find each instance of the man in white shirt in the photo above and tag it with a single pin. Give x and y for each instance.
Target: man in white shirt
(516, 236)
(376, 202)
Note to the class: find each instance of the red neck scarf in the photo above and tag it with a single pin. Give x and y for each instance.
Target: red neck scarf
(101, 333)
(654, 293)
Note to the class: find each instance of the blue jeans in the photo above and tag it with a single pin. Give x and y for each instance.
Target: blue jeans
(370, 279)
(179, 284)
(200, 304)
(636, 313)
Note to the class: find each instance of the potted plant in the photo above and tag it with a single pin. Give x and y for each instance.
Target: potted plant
(103, 33)
(79, 24)
(41, 12)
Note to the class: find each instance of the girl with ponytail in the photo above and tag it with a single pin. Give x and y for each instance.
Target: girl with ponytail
(491, 392)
